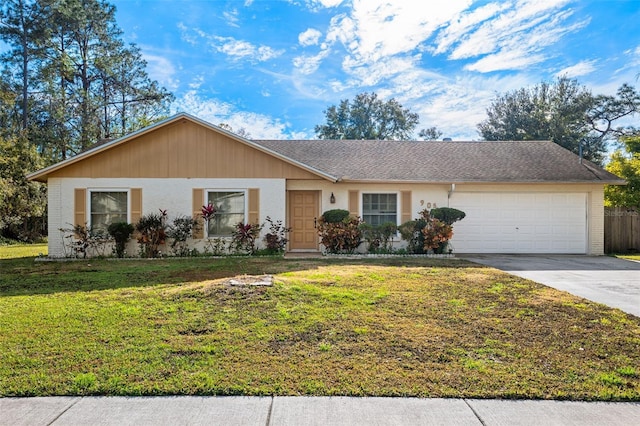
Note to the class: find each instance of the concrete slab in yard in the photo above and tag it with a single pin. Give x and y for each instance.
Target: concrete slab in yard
(34, 411)
(159, 411)
(549, 413)
(346, 411)
(608, 280)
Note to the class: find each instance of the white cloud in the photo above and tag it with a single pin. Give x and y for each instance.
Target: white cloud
(384, 28)
(231, 17)
(237, 49)
(634, 57)
(314, 4)
(241, 49)
(186, 35)
(579, 69)
(457, 105)
(384, 47)
(196, 82)
(310, 37)
(465, 23)
(214, 111)
(514, 38)
(382, 70)
(309, 64)
(501, 35)
(505, 60)
(160, 68)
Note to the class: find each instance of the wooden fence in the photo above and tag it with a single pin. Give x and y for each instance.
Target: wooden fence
(621, 230)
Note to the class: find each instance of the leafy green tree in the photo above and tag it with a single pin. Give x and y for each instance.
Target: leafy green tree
(548, 111)
(608, 109)
(22, 203)
(79, 82)
(626, 164)
(94, 80)
(22, 27)
(562, 111)
(430, 134)
(367, 117)
(67, 80)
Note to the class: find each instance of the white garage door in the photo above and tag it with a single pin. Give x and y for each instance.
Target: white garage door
(520, 223)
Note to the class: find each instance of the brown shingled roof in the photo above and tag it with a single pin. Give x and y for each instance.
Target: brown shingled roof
(434, 161)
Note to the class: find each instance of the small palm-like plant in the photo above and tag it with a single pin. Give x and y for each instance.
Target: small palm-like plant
(244, 237)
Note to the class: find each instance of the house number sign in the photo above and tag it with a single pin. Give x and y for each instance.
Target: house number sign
(429, 205)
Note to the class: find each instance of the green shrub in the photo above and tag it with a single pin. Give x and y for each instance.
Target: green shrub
(379, 238)
(411, 232)
(276, 239)
(216, 246)
(334, 216)
(82, 241)
(121, 232)
(180, 231)
(447, 215)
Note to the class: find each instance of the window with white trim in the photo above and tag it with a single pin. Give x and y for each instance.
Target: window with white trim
(230, 209)
(379, 208)
(107, 207)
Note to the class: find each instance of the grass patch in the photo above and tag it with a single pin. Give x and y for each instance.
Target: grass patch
(20, 250)
(629, 256)
(377, 327)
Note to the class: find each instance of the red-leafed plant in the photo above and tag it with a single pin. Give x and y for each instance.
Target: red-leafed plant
(152, 233)
(436, 233)
(244, 237)
(208, 212)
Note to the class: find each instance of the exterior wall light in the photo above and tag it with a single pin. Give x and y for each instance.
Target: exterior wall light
(332, 199)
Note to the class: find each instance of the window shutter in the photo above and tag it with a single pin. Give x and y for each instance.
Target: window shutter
(254, 206)
(353, 203)
(405, 215)
(198, 201)
(80, 207)
(136, 204)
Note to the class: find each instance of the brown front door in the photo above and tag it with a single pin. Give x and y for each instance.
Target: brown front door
(303, 214)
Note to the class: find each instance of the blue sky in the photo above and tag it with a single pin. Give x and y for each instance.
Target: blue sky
(272, 66)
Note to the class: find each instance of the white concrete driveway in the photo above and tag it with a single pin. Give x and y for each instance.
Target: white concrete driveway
(603, 279)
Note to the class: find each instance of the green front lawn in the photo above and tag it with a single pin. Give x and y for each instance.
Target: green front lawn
(385, 327)
(18, 250)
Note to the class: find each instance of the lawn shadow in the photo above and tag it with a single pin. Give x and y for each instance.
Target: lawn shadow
(23, 276)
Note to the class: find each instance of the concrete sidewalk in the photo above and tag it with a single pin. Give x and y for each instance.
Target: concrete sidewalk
(272, 411)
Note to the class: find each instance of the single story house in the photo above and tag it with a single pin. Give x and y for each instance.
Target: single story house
(519, 197)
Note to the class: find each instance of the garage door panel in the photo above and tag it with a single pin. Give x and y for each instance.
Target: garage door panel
(520, 223)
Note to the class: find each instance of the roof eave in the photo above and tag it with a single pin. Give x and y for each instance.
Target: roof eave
(487, 182)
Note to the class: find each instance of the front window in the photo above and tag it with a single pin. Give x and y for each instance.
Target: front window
(229, 211)
(379, 208)
(107, 207)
